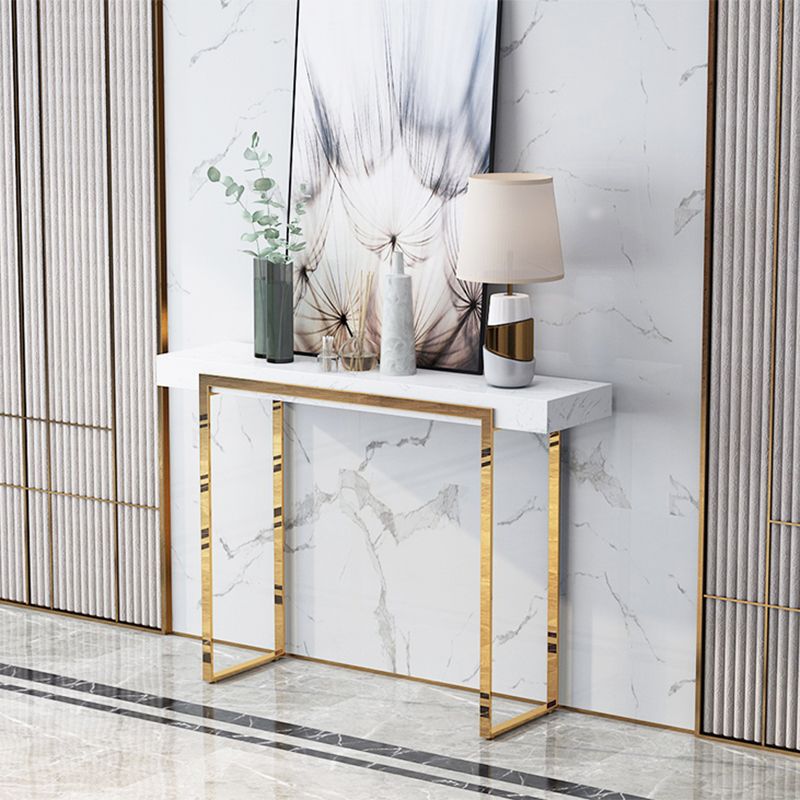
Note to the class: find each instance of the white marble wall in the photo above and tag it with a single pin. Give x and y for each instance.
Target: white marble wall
(609, 97)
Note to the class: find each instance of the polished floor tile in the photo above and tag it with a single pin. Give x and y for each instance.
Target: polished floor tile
(90, 710)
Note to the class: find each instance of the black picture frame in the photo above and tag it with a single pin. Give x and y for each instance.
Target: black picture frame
(498, 10)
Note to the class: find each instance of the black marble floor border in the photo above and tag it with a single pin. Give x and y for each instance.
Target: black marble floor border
(520, 779)
(270, 743)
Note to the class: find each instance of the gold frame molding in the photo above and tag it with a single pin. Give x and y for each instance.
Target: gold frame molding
(210, 385)
(704, 596)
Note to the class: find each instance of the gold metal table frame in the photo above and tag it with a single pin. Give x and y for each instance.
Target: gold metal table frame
(483, 416)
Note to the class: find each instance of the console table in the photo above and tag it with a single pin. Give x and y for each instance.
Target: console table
(549, 406)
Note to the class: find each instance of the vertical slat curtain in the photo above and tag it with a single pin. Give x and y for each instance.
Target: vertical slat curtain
(751, 604)
(78, 317)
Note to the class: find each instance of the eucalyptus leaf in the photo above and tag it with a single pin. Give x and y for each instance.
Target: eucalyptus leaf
(265, 223)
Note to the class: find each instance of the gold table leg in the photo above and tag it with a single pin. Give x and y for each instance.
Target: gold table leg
(279, 531)
(206, 564)
(487, 730)
(486, 419)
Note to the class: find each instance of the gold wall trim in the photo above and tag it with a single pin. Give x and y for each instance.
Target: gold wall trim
(749, 602)
(784, 522)
(28, 418)
(56, 493)
(112, 346)
(708, 251)
(77, 615)
(45, 325)
(23, 398)
(160, 231)
(773, 333)
(752, 745)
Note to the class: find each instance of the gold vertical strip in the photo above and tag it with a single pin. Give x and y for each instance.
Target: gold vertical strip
(21, 299)
(486, 572)
(708, 254)
(160, 230)
(553, 566)
(772, 357)
(112, 333)
(279, 528)
(205, 529)
(45, 325)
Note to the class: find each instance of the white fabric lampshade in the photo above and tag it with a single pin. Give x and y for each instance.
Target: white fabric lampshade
(509, 230)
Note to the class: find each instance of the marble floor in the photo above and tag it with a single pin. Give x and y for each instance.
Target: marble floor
(90, 710)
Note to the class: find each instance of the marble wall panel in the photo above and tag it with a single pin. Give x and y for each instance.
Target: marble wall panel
(382, 526)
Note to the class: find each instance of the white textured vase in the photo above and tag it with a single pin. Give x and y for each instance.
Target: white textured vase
(398, 353)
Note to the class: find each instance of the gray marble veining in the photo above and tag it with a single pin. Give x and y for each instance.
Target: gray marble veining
(626, 148)
(125, 714)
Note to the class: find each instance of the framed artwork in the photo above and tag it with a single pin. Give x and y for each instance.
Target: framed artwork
(393, 111)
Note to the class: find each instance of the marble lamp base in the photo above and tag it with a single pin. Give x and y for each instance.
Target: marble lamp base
(508, 360)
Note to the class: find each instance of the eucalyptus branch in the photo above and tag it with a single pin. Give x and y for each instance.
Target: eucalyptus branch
(278, 238)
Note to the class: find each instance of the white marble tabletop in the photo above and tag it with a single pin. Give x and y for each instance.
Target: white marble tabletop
(549, 404)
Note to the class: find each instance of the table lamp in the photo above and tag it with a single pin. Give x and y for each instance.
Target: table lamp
(510, 235)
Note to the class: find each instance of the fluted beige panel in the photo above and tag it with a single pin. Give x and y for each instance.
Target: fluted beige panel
(39, 514)
(10, 395)
(784, 585)
(739, 379)
(783, 685)
(83, 556)
(10, 451)
(85, 310)
(734, 639)
(134, 247)
(12, 512)
(75, 174)
(742, 299)
(30, 202)
(139, 566)
(783, 681)
(77, 299)
(12, 552)
(39, 510)
(786, 464)
(135, 301)
(81, 461)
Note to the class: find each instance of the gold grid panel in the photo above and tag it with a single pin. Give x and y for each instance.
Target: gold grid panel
(485, 418)
(749, 636)
(79, 521)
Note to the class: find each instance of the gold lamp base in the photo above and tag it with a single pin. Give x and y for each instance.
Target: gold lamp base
(508, 360)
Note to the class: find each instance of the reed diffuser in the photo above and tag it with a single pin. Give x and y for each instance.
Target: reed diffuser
(357, 354)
